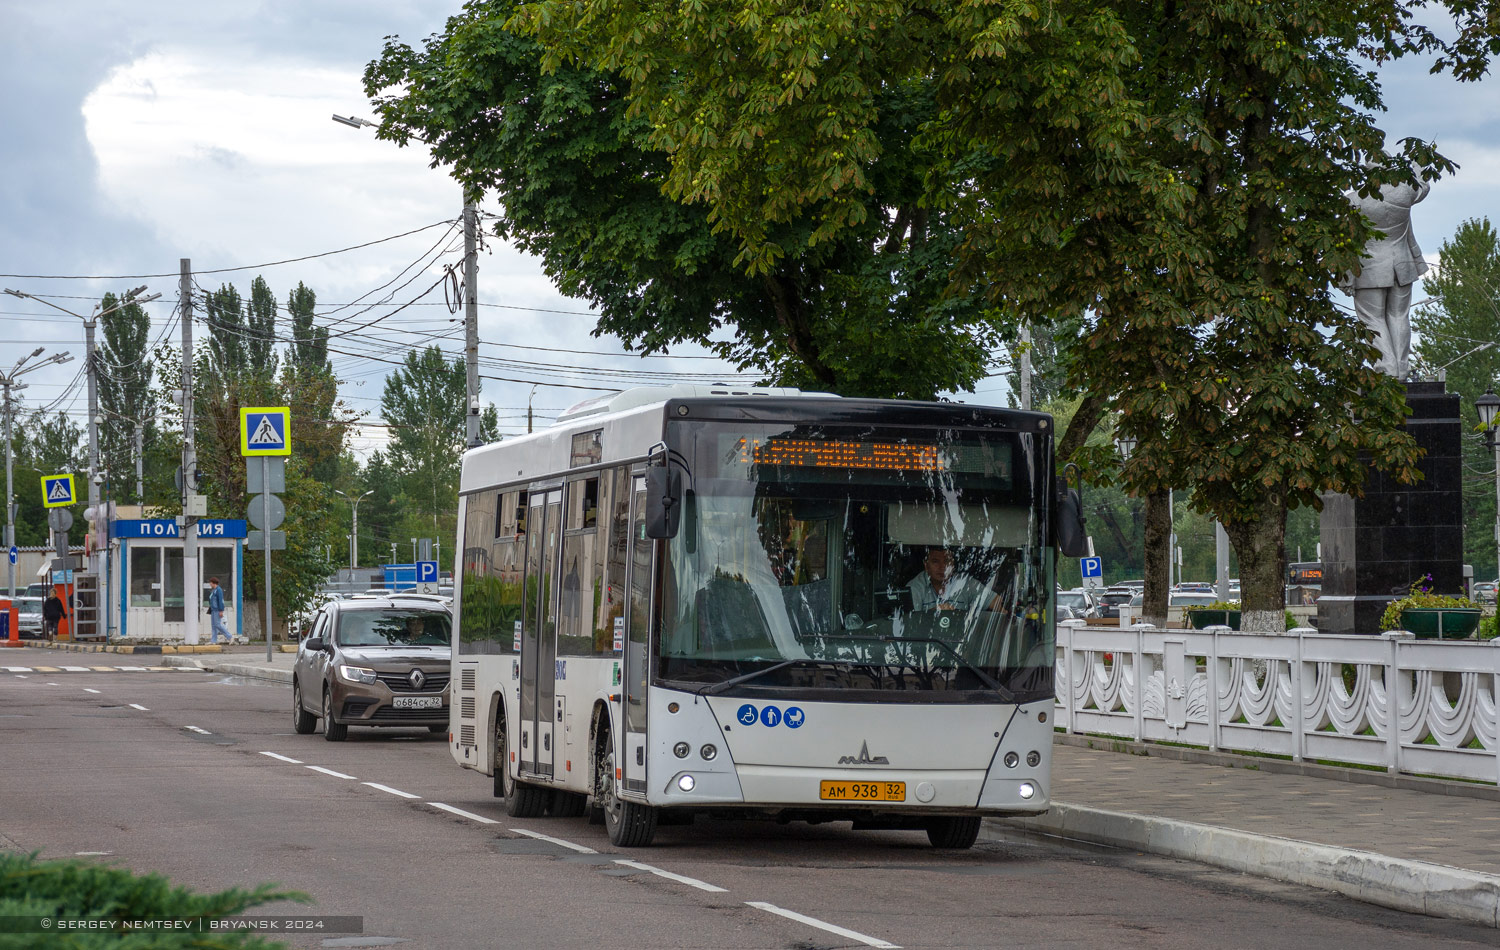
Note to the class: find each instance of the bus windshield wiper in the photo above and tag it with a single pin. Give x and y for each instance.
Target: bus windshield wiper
(713, 689)
(984, 677)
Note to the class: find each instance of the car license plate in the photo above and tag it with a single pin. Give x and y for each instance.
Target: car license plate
(417, 702)
(862, 791)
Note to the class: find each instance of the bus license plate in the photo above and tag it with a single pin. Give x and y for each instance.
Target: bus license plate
(417, 702)
(862, 791)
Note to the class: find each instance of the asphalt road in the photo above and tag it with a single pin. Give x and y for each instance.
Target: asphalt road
(168, 771)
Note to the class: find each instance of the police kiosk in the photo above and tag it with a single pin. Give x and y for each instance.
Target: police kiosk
(148, 560)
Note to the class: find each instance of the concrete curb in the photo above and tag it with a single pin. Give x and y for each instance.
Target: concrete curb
(152, 649)
(1412, 886)
(232, 668)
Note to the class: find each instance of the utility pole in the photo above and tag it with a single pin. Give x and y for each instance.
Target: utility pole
(354, 532)
(471, 317)
(1025, 364)
(140, 462)
(190, 588)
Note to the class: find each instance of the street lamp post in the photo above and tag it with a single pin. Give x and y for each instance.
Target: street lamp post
(1488, 406)
(8, 382)
(354, 531)
(90, 358)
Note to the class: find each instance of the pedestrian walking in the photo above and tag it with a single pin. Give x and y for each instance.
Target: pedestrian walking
(52, 613)
(216, 610)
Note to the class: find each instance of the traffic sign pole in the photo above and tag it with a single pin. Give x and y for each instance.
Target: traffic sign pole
(265, 478)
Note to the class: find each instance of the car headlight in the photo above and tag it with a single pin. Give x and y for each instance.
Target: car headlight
(357, 674)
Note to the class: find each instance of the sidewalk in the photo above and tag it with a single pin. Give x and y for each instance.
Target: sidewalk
(242, 660)
(1412, 848)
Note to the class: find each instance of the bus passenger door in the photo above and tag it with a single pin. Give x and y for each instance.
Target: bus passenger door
(546, 653)
(633, 748)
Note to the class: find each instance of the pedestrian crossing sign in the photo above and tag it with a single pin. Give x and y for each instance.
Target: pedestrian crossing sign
(266, 431)
(57, 491)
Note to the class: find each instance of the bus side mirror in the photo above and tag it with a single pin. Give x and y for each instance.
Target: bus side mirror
(1072, 539)
(663, 501)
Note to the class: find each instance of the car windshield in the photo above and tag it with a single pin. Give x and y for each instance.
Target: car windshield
(876, 559)
(371, 628)
(1070, 599)
(29, 607)
(1114, 599)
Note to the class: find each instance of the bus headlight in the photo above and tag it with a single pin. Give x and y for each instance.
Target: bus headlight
(357, 674)
(1026, 790)
(686, 783)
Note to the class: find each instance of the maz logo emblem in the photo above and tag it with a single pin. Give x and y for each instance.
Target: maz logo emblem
(864, 757)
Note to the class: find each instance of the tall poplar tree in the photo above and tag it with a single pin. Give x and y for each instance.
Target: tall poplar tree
(125, 369)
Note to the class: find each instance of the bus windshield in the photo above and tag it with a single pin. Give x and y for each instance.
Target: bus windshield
(878, 559)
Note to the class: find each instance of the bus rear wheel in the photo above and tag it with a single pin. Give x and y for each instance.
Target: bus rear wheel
(955, 833)
(630, 824)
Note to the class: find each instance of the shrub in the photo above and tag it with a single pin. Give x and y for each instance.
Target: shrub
(1489, 628)
(75, 890)
(1291, 621)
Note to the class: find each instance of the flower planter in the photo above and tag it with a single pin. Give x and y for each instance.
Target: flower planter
(1440, 623)
(1203, 619)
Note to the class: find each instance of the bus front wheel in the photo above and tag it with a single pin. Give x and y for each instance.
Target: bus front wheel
(956, 833)
(630, 824)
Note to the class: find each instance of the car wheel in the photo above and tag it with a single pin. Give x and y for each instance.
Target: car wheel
(303, 722)
(955, 833)
(630, 824)
(332, 731)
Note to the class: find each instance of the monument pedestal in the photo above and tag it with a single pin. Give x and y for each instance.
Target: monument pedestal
(1376, 547)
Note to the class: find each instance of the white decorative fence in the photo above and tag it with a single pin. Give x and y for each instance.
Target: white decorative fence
(1301, 695)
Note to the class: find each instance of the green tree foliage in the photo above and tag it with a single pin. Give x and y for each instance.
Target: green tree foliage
(1460, 330)
(124, 372)
(1174, 171)
(865, 312)
(260, 328)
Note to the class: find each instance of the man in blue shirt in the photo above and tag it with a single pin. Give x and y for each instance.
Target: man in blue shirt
(216, 610)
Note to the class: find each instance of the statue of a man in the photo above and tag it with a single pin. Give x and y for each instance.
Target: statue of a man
(1392, 263)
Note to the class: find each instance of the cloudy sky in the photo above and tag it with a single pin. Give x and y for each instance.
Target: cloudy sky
(133, 134)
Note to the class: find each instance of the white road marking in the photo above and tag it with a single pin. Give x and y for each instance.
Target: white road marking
(822, 925)
(557, 841)
(75, 669)
(319, 768)
(91, 854)
(201, 732)
(18, 669)
(54, 684)
(135, 669)
(463, 814)
(393, 791)
(680, 879)
(87, 690)
(282, 758)
(22, 677)
(132, 705)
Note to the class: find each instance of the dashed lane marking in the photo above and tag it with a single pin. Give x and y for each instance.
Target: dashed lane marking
(865, 939)
(464, 814)
(282, 758)
(87, 690)
(393, 791)
(101, 669)
(557, 841)
(201, 732)
(139, 706)
(319, 768)
(679, 878)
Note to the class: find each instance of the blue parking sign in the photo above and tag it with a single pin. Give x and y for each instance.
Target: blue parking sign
(427, 572)
(1092, 566)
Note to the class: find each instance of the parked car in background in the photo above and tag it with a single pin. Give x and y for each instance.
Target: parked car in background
(374, 662)
(29, 614)
(1485, 591)
(1111, 600)
(1075, 604)
(1197, 587)
(1134, 585)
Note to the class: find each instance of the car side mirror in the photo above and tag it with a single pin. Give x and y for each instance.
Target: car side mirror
(316, 644)
(663, 501)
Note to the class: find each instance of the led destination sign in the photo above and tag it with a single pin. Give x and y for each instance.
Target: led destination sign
(821, 453)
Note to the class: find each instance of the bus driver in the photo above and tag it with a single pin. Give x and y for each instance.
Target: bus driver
(940, 587)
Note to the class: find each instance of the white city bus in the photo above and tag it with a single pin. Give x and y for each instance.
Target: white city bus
(700, 601)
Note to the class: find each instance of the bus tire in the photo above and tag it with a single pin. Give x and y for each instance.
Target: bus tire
(332, 731)
(500, 760)
(630, 824)
(527, 801)
(568, 804)
(955, 833)
(303, 722)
